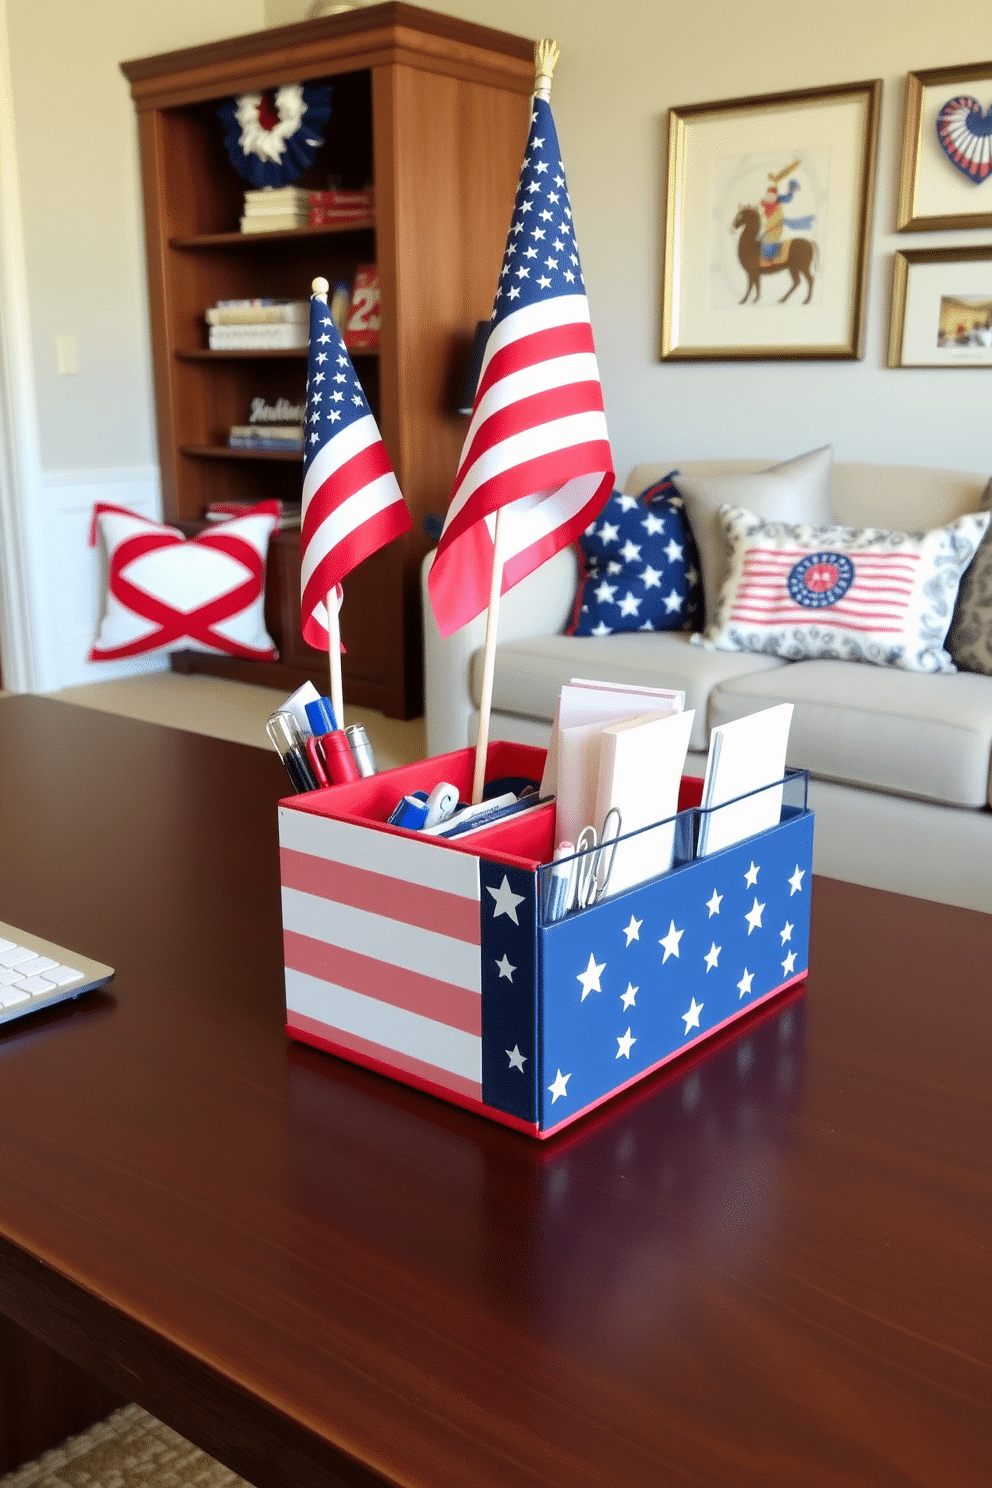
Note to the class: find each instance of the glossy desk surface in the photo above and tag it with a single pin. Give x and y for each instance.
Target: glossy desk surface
(768, 1266)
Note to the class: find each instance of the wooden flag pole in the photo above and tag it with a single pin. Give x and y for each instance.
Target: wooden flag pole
(320, 287)
(545, 56)
(488, 666)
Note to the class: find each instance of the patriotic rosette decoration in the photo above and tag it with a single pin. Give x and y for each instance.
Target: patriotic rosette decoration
(536, 466)
(352, 504)
(271, 138)
(964, 130)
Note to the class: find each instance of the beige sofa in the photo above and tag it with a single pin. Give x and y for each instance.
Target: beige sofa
(900, 761)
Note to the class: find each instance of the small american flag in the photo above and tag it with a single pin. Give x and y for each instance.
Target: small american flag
(352, 504)
(537, 445)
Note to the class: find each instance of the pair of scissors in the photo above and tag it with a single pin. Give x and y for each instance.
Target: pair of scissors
(592, 879)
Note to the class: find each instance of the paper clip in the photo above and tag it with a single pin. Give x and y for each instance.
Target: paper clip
(592, 880)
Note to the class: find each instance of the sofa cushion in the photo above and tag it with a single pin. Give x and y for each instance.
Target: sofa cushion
(903, 732)
(531, 672)
(796, 491)
(800, 592)
(641, 570)
(970, 638)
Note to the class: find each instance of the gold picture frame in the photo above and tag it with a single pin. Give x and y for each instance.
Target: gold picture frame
(933, 193)
(942, 308)
(732, 169)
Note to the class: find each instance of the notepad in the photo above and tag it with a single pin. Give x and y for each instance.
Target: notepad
(745, 756)
(640, 770)
(582, 702)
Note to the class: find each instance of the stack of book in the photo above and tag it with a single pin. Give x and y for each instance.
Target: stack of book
(276, 438)
(290, 514)
(340, 208)
(276, 209)
(258, 325)
(285, 208)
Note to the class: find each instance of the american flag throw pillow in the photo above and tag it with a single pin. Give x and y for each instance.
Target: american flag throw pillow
(842, 593)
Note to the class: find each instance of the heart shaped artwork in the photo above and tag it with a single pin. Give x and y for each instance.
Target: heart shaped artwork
(965, 134)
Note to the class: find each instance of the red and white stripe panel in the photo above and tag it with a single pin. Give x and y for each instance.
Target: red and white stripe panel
(877, 601)
(382, 938)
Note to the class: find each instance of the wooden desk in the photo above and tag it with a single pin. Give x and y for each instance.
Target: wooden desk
(769, 1267)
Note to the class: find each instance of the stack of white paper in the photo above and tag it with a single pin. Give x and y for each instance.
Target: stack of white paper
(582, 702)
(610, 747)
(640, 770)
(745, 756)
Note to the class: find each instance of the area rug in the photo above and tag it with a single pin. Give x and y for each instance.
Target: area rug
(130, 1449)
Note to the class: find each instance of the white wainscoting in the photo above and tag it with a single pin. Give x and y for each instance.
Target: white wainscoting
(70, 576)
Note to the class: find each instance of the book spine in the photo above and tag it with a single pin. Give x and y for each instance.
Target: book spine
(287, 223)
(258, 337)
(272, 446)
(297, 313)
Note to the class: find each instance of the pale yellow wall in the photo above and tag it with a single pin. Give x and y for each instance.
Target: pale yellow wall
(624, 64)
(81, 203)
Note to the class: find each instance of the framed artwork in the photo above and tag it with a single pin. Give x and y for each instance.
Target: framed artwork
(768, 223)
(946, 177)
(942, 308)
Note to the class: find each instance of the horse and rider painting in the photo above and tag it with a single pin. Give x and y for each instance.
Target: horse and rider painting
(762, 246)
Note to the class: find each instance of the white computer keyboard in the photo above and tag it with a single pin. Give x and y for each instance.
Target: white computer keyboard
(34, 973)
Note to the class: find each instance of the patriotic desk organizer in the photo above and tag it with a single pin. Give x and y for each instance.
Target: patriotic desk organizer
(431, 961)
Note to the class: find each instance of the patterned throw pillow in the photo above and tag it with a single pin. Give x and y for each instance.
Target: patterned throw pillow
(641, 571)
(970, 638)
(168, 593)
(844, 593)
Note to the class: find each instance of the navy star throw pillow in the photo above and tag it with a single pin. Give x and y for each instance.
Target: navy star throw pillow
(641, 566)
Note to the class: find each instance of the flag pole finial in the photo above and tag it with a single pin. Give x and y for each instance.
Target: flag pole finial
(546, 54)
(320, 286)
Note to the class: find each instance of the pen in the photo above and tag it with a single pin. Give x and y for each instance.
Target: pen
(474, 818)
(285, 733)
(561, 881)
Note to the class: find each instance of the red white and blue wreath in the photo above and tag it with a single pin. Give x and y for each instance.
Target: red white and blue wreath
(964, 131)
(271, 138)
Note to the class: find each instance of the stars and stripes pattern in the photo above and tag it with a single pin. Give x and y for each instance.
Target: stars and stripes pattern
(858, 594)
(352, 503)
(430, 964)
(782, 586)
(537, 446)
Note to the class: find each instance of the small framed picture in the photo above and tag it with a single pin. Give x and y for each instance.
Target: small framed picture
(946, 177)
(942, 308)
(768, 222)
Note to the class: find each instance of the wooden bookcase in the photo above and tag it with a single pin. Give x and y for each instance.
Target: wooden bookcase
(434, 111)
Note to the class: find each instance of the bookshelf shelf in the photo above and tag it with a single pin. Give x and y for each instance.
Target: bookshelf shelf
(434, 112)
(264, 240)
(224, 452)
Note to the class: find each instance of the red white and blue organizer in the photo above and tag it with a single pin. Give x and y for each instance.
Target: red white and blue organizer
(430, 961)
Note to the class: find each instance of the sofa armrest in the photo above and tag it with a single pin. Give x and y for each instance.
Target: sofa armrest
(540, 605)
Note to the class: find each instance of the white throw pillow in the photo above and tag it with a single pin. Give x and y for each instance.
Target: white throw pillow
(166, 592)
(796, 491)
(843, 593)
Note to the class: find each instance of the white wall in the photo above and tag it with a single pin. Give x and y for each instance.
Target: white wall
(623, 66)
(81, 215)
